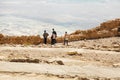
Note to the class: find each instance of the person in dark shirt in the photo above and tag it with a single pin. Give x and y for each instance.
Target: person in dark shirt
(53, 37)
(45, 35)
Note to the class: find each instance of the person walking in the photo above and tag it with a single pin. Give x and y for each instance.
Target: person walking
(45, 35)
(53, 37)
(66, 38)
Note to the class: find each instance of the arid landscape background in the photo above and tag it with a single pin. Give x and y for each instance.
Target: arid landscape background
(93, 50)
(92, 54)
(105, 29)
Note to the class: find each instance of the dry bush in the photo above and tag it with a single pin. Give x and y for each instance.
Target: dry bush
(20, 40)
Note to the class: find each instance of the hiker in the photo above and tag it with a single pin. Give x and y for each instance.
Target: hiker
(53, 37)
(66, 38)
(45, 35)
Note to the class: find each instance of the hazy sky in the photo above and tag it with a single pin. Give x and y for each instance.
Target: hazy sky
(79, 13)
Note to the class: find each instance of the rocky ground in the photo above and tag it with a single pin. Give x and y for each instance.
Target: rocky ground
(97, 59)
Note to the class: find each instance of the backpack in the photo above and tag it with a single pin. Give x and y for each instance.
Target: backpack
(54, 32)
(53, 36)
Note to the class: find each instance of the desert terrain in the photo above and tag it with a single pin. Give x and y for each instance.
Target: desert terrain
(95, 59)
(28, 28)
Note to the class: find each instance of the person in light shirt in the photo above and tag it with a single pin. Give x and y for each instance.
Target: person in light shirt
(66, 39)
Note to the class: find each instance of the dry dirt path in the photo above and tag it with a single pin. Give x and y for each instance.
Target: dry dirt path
(72, 64)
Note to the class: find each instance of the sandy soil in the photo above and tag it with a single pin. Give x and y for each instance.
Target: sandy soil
(78, 61)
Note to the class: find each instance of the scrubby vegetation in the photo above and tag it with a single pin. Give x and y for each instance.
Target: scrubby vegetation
(20, 39)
